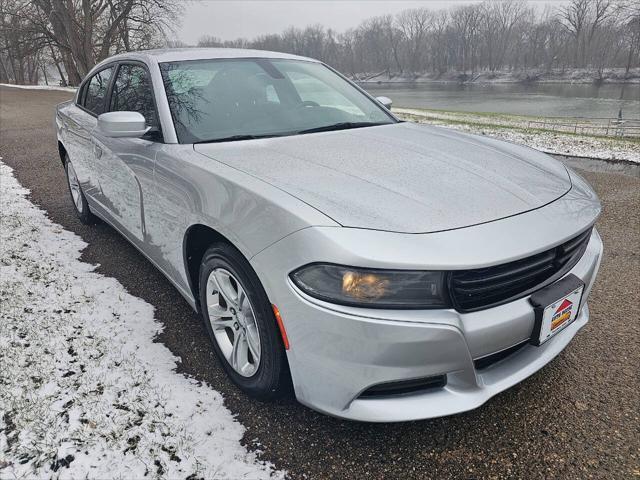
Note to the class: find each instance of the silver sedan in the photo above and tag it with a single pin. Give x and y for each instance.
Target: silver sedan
(386, 271)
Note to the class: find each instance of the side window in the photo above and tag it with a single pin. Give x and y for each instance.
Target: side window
(132, 92)
(96, 94)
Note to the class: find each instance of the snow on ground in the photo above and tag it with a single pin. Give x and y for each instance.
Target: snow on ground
(84, 390)
(515, 131)
(39, 87)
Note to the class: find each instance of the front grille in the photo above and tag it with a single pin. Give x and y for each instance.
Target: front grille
(482, 288)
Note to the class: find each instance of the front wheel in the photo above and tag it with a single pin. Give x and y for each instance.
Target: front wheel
(241, 324)
(80, 204)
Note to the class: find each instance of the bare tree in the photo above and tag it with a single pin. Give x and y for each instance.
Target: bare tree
(629, 14)
(574, 19)
(393, 39)
(466, 22)
(492, 36)
(20, 47)
(84, 32)
(583, 19)
(414, 23)
(499, 23)
(211, 41)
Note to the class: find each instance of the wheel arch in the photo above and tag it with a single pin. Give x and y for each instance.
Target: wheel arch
(197, 239)
(62, 151)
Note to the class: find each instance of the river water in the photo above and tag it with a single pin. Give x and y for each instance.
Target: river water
(542, 99)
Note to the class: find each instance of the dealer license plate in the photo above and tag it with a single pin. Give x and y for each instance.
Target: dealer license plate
(556, 307)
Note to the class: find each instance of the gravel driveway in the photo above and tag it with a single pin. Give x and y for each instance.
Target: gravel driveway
(576, 418)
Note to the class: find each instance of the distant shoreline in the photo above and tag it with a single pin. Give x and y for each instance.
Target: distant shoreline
(616, 76)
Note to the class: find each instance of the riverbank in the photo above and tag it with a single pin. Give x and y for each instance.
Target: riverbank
(516, 129)
(528, 76)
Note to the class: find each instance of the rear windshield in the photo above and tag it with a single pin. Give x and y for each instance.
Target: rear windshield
(214, 100)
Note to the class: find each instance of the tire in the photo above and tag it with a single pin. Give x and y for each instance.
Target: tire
(268, 377)
(79, 201)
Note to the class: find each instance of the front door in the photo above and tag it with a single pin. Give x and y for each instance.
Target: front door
(80, 125)
(125, 165)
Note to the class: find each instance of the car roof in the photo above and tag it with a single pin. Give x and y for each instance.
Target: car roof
(194, 53)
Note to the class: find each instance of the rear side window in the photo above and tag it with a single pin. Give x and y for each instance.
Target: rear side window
(132, 92)
(96, 94)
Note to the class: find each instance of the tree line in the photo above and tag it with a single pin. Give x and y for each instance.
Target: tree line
(73, 35)
(489, 36)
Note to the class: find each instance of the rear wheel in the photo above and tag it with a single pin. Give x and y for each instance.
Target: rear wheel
(80, 204)
(241, 323)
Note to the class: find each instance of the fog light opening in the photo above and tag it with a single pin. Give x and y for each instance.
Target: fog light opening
(405, 387)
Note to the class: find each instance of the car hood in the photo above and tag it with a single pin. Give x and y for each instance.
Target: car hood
(401, 177)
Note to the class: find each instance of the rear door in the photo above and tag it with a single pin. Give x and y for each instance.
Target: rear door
(125, 165)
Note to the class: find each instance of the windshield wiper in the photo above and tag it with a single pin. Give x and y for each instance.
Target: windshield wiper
(235, 138)
(341, 126)
(326, 128)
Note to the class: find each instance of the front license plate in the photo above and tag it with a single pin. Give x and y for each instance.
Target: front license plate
(556, 307)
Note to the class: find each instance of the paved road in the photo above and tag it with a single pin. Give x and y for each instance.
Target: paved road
(576, 418)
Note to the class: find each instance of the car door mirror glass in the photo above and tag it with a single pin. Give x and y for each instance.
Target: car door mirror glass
(122, 124)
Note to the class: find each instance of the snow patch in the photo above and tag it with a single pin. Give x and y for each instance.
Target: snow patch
(39, 87)
(516, 131)
(84, 390)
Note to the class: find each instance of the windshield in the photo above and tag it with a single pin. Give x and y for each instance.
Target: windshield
(219, 100)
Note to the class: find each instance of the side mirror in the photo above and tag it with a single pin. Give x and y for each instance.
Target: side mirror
(385, 101)
(122, 124)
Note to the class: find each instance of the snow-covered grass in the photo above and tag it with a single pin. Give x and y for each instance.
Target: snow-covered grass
(39, 87)
(84, 390)
(515, 129)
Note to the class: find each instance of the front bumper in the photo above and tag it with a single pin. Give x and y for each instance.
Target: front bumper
(339, 352)
(466, 387)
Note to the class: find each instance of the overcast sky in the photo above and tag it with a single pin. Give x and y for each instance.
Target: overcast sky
(230, 19)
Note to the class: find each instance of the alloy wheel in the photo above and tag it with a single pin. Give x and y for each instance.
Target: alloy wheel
(74, 186)
(233, 322)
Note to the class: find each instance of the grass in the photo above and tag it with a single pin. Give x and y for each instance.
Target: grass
(510, 123)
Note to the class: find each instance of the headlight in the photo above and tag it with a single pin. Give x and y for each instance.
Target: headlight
(372, 288)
